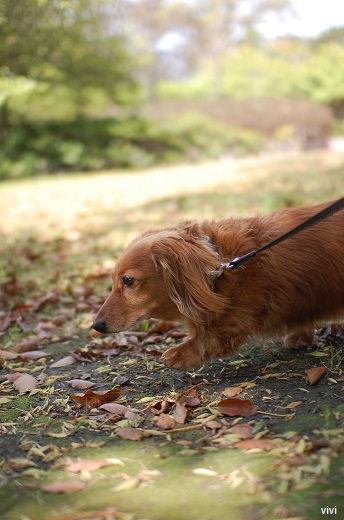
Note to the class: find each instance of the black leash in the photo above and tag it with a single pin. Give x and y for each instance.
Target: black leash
(318, 217)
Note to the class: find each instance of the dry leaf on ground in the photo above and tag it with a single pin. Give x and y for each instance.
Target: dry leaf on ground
(234, 406)
(80, 384)
(95, 399)
(251, 444)
(23, 382)
(64, 362)
(159, 407)
(63, 487)
(87, 465)
(314, 374)
(27, 345)
(117, 409)
(232, 391)
(243, 430)
(180, 412)
(130, 434)
(165, 422)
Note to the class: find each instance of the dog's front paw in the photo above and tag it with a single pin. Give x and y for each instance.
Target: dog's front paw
(299, 339)
(182, 356)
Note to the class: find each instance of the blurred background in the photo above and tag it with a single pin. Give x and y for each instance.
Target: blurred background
(87, 85)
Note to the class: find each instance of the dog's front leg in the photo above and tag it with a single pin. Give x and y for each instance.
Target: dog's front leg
(194, 352)
(189, 354)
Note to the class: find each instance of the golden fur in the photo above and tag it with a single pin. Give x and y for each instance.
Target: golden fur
(286, 289)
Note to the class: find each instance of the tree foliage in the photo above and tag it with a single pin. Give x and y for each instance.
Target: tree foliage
(64, 45)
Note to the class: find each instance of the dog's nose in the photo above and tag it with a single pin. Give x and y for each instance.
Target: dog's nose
(100, 326)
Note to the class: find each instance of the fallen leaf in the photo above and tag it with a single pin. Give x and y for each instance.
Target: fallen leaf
(190, 401)
(130, 434)
(87, 465)
(21, 463)
(213, 425)
(64, 362)
(25, 383)
(27, 345)
(242, 430)
(179, 414)
(232, 391)
(63, 487)
(82, 355)
(165, 422)
(5, 400)
(50, 297)
(314, 374)
(160, 407)
(250, 444)
(117, 409)
(92, 399)
(234, 406)
(163, 326)
(32, 355)
(80, 384)
(13, 377)
(6, 354)
(121, 380)
(294, 405)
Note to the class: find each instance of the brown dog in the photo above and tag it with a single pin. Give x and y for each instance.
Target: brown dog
(171, 274)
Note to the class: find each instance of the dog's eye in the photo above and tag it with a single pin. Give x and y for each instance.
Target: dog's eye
(128, 281)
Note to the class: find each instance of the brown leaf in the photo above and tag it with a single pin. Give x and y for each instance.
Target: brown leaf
(80, 384)
(27, 345)
(87, 465)
(314, 374)
(63, 487)
(165, 422)
(213, 425)
(117, 409)
(234, 406)
(243, 430)
(64, 362)
(190, 401)
(25, 383)
(6, 354)
(250, 444)
(32, 355)
(232, 391)
(130, 434)
(94, 399)
(82, 355)
(159, 407)
(50, 297)
(163, 326)
(180, 412)
(94, 333)
(13, 377)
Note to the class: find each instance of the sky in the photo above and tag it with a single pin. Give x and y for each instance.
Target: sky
(313, 18)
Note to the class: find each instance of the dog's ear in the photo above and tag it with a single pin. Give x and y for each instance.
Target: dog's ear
(186, 266)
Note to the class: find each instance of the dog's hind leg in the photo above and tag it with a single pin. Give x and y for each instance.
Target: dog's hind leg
(300, 338)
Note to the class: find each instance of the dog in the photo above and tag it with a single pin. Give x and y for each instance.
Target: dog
(173, 274)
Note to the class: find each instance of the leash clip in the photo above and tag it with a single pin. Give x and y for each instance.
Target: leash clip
(238, 261)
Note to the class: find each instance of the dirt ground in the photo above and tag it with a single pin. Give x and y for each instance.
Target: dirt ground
(303, 420)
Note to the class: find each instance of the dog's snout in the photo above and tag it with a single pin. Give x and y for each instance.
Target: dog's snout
(99, 326)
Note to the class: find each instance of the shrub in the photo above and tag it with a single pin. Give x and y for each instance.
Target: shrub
(132, 142)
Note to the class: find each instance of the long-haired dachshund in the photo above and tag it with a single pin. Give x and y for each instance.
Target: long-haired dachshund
(172, 274)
